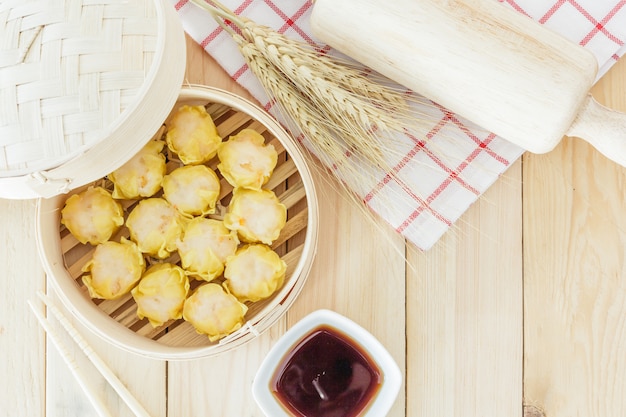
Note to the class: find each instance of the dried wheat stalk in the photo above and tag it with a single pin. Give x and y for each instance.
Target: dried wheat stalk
(348, 119)
(330, 150)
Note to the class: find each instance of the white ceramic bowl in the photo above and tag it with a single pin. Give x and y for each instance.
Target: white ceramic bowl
(378, 404)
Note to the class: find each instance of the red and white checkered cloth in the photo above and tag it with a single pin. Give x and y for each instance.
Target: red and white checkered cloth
(437, 189)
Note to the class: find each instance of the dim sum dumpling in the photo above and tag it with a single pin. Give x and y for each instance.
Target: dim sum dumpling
(155, 226)
(141, 176)
(214, 312)
(114, 269)
(205, 246)
(161, 293)
(192, 189)
(245, 160)
(256, 215)
(254, 273)
(191, 133)
(92, 216)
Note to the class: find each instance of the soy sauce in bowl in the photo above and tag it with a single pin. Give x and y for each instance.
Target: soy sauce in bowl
(326, 365)
(326, 374)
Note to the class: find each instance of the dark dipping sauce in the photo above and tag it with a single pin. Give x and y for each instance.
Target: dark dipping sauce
(326, 375)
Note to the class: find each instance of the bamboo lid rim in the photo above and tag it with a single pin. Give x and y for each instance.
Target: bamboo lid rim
(84, 86)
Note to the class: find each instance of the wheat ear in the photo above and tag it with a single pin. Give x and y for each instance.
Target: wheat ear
(347, 119)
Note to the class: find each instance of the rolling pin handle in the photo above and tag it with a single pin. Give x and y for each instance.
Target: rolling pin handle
(603, 128)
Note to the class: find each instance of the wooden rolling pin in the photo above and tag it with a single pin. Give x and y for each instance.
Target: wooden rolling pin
(483, 61)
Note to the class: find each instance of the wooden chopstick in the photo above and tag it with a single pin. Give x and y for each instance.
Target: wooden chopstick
(94, 399)
(100, 365)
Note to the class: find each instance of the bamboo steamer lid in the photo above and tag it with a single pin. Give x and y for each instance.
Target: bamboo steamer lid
(83, 86)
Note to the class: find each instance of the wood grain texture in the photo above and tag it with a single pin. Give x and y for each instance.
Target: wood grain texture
(201, 387)
(452, 318)
(575, 275)
(603, 128)
(359, 271)
(464, 313)
(361, 277)
(22, 342)
(145, 378)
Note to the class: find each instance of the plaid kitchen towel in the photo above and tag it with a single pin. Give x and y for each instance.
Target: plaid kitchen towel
(446, 170)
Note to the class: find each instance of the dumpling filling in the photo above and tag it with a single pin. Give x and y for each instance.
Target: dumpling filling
(193, 190)
(114, 269)
(191, 133)
(155, 225)
(214, 312)
(256, 215)
(254, 273)
(141, 176)
(205, 246)
(92, 216)
(246, 161)
(161, 293)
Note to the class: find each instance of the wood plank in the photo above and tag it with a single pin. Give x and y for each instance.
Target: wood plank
(464, 312)
(220, 385)
(361, 277)
(575, 275)
(145, 378)
(22, 342)
(203, 387)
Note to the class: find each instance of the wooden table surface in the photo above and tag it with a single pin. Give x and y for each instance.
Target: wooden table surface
(520, 309)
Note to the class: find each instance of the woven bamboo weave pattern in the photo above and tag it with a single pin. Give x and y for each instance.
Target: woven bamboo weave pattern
(68, 71)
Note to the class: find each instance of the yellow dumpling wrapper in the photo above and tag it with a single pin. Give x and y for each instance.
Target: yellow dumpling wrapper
(205, 246)
(246, 160)
(191, 133)
(155, 225)
(254, 273)
(92, 216)
(214, 312)
(141, 176)
(256, 215)
(193, 189)
(161, 293)
(114, 269)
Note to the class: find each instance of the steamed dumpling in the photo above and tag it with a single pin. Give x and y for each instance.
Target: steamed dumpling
(214, 312)
(92, 216)
(256, 215)
(205, 246)
(114, 269)
(192, 189)
(155, 225)
(161, 293)
(254, 273)
(192, 135)
(246, 161)
(141, 176)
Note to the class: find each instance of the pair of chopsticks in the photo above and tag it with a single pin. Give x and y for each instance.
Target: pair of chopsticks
(104, 370)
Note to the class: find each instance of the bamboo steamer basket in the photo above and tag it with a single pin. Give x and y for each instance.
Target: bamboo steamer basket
(84, 87)
(116, 320)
